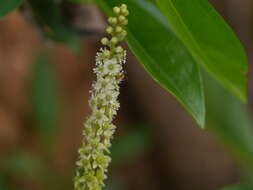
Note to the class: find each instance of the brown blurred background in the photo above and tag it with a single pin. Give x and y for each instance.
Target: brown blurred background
(162, 147)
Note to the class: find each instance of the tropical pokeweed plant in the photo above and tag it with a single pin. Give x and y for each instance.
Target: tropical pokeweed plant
(182, 44)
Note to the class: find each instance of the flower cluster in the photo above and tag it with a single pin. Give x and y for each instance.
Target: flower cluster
(98, 129)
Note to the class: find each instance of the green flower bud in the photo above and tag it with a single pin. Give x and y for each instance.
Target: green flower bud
(113, 20)
(114, 40)
(125, 22)
(109, 30)
(116, 10)
(125, 12)
(123, 6)
(118, 29)
(105, 41)
(121, 18)
(124, 33)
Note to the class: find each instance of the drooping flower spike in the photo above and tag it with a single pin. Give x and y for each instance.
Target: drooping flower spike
(98, 130)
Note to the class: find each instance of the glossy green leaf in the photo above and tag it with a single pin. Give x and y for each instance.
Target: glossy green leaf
(210, 40)
(49, 16)
(239, 187)
(8, 6)
(163, 56)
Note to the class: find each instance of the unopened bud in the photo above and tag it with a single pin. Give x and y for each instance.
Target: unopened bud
(109, 30)
(123, 6)
(105, 41)
(116, 10)
(125, 22)
(118, 29)
(125, 12)
(124, 33)
(122, 18)
(114, 40)
(113, 20)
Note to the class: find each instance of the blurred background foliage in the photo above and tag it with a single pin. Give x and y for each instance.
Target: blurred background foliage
(44, 88)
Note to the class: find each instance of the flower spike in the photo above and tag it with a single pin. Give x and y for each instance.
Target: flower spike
(94, 160)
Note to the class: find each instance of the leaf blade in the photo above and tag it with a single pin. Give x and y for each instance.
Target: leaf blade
(8, 6)
(53, 25)
(210, 40)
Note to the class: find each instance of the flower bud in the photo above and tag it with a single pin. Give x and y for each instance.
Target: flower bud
(125, 22)
(113, 20)
(105, 41)
(118, 29)
(116, 10)
(124, 33)
(122, 18)
(123, 6)
(114, 40)
(125, 12)
(109, 30)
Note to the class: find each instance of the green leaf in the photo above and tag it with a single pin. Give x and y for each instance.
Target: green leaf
(231, 122)
(239, 187)
(51, 20)
(44, 97)
(210, 40)
(163, 56)
(8, 6)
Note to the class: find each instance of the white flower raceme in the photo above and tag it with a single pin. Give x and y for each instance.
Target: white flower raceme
(98, 129)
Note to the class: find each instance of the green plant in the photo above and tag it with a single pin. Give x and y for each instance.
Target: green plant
(176, 41)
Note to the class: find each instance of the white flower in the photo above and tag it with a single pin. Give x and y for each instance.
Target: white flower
(109, 96)
(111, 112)
(109, 133)
(93, 102)
(112, 67)
(99, 116)
(104, 83)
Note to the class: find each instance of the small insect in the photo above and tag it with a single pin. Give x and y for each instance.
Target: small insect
(121, 76)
